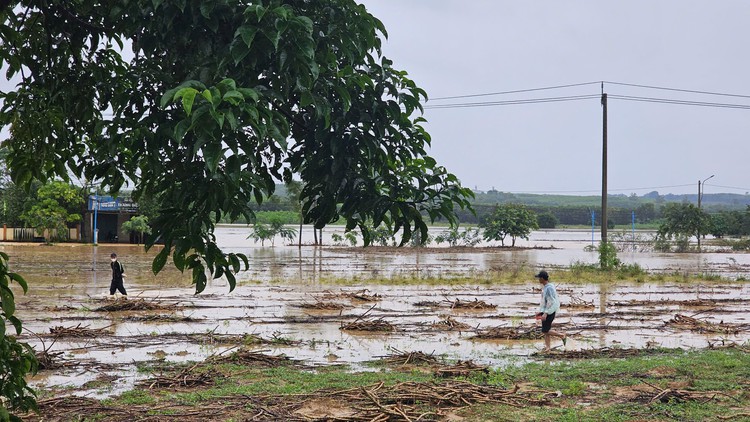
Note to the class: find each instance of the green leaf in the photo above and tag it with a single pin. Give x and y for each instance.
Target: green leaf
(160, 260)
(234, 260)
(231, 279)
(199, 278)
(168, 97)
(233, 97)
(187, 100)
(7, 301)
(207, 6)
(20, 280)
(213, 153)
(247, 33)
(207, 95)
(238, 50)
(249, 92)
(16, 324)
(181, 130)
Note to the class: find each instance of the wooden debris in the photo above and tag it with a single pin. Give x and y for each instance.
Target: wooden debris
(158, 318)
(78, 331)
(51, 360)
(460, 369)
(255, 358)
(510, 333)
(371, 325)
(417, 401)
(672, 302)
(668, 395)
(577, 302)
(605, 352)
(411, 358)
(323, 306)
(363, 296)
(133, 305)
(701, 326)
(427, 304)
(188, 377)
(450, 324)
(360, 324)
(469, 304)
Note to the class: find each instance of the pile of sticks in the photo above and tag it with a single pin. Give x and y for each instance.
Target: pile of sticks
(363, 296)
(605, 352)
(692, 324)
(368, 325)
(420, 401)
(77, 331)
(133, 305)
(510, 333)
(187, 378)
(450, 324)
(460, 369)
(667, 395)
(411, 358)
(52, 360)
(320, 305)
(577, 302)
(470, 304)
(158, 318)
(427, 304)
(256, 358)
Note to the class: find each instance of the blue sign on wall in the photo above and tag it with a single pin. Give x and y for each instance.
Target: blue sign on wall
(108, 203)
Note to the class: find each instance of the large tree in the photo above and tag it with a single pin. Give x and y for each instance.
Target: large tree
(218, 101)
(512, 220)
(204, 105)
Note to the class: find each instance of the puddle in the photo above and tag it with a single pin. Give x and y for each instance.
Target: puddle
(68, 282)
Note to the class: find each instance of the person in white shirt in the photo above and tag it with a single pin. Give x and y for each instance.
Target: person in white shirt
(549, 305)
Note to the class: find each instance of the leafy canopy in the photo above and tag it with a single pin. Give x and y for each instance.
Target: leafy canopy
(53, 210)
(218, 101)
(512, 220)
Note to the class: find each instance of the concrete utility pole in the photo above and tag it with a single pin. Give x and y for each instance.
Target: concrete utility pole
(700, 194)
(604, 166)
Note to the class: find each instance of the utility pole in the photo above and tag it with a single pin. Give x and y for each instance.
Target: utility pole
(604, 165)
(700, 194)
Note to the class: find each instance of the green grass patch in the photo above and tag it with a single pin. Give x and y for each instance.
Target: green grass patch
(590, 390)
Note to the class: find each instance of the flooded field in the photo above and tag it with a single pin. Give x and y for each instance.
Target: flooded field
(285, 305)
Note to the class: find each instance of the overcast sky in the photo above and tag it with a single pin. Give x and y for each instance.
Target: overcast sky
(459, 47)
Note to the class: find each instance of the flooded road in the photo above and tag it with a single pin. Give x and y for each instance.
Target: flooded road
(284, 305)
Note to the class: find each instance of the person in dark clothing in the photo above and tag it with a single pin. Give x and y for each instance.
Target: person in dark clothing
(118, 273)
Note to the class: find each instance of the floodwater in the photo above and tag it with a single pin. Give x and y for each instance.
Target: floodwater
(68, 282)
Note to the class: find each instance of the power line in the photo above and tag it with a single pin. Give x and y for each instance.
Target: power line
(517, 91)
(677, 89)
(512, 102)
(678, 102)
(730, 187)
(608, 190)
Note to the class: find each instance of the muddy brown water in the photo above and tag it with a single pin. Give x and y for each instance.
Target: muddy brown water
(68, 282)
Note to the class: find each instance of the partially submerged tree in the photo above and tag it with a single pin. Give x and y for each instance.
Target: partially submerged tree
(680, 222)
(137, 224)
(512, 220)
(52, 211)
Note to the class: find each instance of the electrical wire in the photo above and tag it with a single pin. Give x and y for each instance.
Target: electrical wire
(730, 187)
(517, 91)
(513, 102)
(691, 91)
(608, 190)
(678, 102)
